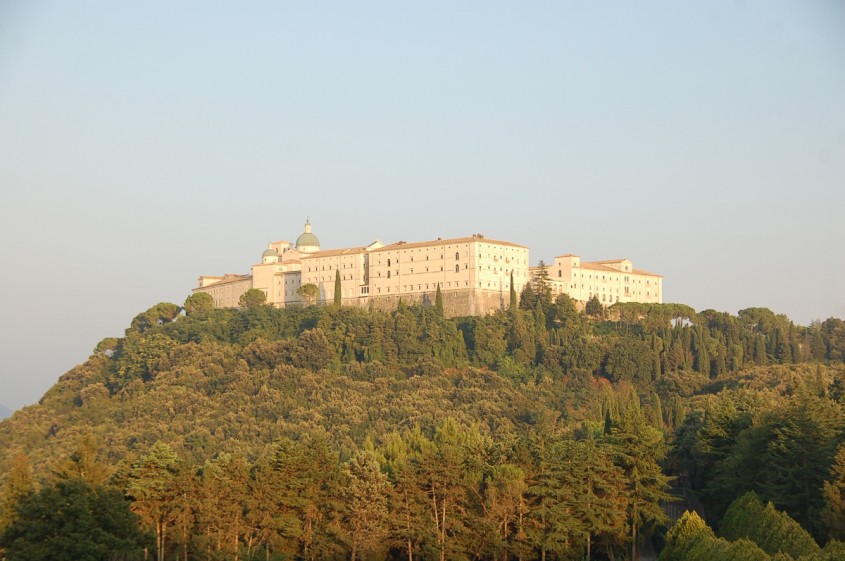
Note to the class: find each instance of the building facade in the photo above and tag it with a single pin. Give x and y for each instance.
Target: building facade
(610, 281)
(473, 274)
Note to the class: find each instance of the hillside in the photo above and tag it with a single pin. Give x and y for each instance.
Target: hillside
(346, 401)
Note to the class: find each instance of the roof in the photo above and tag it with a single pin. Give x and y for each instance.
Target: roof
(611, 260)
(567, 255)
(307, 239)
(597, 266)
(642, 272)
(593, 266)
(450, 241)
(336, 252)
(225, 279)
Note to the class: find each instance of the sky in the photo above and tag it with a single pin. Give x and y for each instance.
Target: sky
(145, 143)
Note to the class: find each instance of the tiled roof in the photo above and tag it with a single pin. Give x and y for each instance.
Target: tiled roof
(642, 272)
(450, 241)
(334, 252)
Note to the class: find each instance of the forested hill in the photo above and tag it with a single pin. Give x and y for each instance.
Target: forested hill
(328, 432)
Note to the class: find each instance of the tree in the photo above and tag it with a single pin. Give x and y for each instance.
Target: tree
(364, 516)
(438, 302)
(338, 291)
(252, 299)
(308, 292)
(84, 464)
(769, 528)
(542, 286)
(18, 484)
(593, 308)
(161, 313)
(512, 294)
(152, 486)
(198, 302)
(834, 498)
(139, 357)
(638, 447)
(71, 521)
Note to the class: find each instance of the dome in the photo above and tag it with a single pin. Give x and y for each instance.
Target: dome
(307, 242)
(269, 253)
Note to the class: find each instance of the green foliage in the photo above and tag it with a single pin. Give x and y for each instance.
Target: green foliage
(512, 303)
(160, 314)
(139, 356)
(18, 484)
(308, 292)
(772, 530)
(690, 539)
(252, 299)
(70, 520)
(594, 308)
(833, 490)
(198, 302)
(338, 291)
(274, 423)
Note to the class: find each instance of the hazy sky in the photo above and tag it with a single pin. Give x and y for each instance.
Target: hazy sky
(145, 143)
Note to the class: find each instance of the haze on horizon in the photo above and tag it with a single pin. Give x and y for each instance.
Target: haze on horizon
(142, 145)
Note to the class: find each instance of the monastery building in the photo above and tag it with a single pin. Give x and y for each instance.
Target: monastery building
(473, 273)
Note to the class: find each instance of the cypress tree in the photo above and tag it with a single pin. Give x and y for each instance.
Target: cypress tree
(513, 294)
(438, 302)
(338, 295)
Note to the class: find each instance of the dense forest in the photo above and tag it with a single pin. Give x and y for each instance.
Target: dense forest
(538, 432)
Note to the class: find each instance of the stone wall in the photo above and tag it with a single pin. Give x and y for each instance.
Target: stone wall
(469, 302)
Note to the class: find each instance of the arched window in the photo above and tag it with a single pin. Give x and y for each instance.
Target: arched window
(457, 255)
(559, 273)
(458, 268)
(388, 262)
(388, 274)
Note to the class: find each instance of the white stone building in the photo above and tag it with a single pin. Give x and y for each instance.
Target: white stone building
(610, 281)
(473, 274)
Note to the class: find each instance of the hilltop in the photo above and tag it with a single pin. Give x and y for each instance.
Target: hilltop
(336, 395)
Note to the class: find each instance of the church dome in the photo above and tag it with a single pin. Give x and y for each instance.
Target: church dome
(307, 242)
(269, 253)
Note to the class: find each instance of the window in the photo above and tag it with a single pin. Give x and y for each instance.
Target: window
(559, 273)
(388, 274)
(388, 262)
(457, 268)
(457, 256)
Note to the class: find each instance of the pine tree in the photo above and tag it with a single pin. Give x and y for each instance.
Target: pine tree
(364, 513)
(153, 490)
(638, 447)
(834, 498)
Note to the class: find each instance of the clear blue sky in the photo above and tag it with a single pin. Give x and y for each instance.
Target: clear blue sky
(145, 143)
